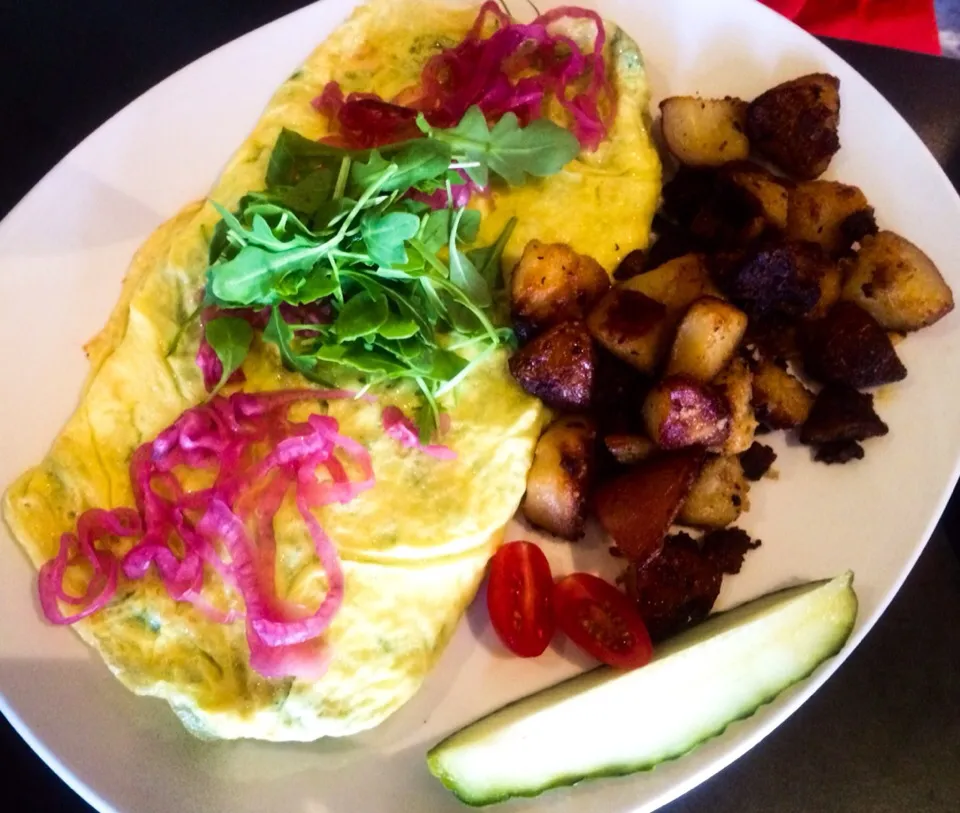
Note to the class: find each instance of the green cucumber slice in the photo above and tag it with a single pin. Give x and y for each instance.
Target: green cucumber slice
(609, 723)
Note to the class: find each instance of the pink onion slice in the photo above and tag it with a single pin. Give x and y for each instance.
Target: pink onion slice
(404, 431)
(257, 454)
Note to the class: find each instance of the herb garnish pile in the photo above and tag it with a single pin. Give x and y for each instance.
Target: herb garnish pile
(404, 288)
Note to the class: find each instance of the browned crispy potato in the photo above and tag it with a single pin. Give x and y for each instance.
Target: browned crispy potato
(794, 125)
(552, 283)
(632, 326)
(632, 265)
(707, 338)
(847, 346)
(782, 279)
(628, 449)
(681, 412)
(769, 192)
(736, 385)
(897, 284)
(558, 366)
(830, 282)
(636, 319)
(717, 496)
(560, 477)
(637, 507)
(841, 414)
(779, 399)
(818, 211)
(705, 132)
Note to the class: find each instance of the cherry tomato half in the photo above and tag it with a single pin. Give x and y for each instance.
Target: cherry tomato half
(600, 620)
(520, 598)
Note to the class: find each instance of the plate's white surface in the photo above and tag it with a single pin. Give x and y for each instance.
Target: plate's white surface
(63, 252)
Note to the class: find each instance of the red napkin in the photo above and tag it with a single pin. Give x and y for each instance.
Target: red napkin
(910, 24)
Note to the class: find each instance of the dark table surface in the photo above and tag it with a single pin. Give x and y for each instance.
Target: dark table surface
(883, 736)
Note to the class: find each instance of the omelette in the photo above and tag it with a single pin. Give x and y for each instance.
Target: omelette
(413, 548)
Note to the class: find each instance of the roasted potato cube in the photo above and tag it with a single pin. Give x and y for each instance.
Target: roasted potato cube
(558, 366)
(830, 282)
(717, 496)
(629, 449)
(897, 284)
(774, 338)
(681, 412)
(706, 339)
(781, 279)
(705, 132)
(794, 125)
(818, 211)
(676, 283)
(847, 346)
(736, 385)
(632, 326)
(779, 399)
(560, 478)
(840, 413)
(637, 508)
(551, 284)
(768, 190)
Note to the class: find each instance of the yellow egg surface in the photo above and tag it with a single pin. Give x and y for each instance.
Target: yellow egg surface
(413, 547)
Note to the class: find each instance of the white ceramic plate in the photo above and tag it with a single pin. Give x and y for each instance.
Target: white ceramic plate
(57, 286)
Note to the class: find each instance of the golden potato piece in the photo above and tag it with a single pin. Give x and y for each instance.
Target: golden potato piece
(830, 280)
(705, 132)
(636, 319)
(552, 283)
(897, 284)
(718, 495)
(794, 125)
(818, 211)
(628, 449)
(706, 339)
(676, 283)
(779, 399)
(769, 192)
(736, 384)
(680, 412)
(559, 480)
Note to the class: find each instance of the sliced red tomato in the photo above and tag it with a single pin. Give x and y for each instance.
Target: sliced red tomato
(600, 620)
(520, 598)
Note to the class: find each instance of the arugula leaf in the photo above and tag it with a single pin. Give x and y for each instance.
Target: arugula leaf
(278, 332)
(541, 148)
(230, 338)
(361, 315)
(469, 225)
(318, 284)
(419, 161)
(384, 236)
(250, 277)
(293, 155)
(309, 193)
(487, 259)
(462, 272)
(435, 231)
